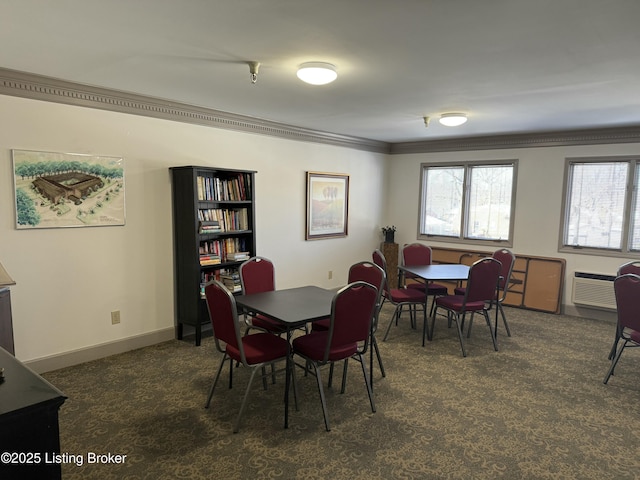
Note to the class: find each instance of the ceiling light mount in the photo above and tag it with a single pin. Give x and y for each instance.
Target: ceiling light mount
(317, 73)
(453, 119)
(253, 70)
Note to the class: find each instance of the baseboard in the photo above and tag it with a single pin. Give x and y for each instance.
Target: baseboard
(594, 313)
(82, 355)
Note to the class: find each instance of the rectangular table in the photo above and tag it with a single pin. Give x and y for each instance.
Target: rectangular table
(293, 307)
(442, 273)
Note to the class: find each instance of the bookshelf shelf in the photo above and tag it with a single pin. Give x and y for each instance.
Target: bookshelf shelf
(213, 219)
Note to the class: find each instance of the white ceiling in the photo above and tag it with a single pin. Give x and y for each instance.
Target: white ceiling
(514, 66)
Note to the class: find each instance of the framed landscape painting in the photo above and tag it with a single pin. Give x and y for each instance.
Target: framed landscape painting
(327, 205)
(67, 190)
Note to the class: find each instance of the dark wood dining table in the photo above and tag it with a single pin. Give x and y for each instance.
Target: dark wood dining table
(293, 308)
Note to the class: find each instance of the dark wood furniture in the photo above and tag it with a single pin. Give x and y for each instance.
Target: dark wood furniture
(199, 195)
(28, 422)
(390, 252)
(536, 282)
(6, 322)
(292, 307)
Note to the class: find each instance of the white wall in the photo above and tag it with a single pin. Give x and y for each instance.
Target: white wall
(69, 280)
(538, 201)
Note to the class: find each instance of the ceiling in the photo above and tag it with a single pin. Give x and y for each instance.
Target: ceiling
(514, 66)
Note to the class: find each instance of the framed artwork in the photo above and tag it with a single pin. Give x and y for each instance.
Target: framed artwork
(67, 190)
(327, 205)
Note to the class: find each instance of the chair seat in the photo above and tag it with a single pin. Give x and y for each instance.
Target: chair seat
(321, 325)
(260, 348)
(632, 335)
(459, 291)
(406, 295)
(313, 346)
(267, 324)
(456, 302)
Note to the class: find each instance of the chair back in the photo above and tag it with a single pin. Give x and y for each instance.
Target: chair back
(352, 311)
(379, 260)
(223, 313)
(629, 267)
(627, 291)
(373, 274)
(257, 275)
(507, 259)
(483, 280)
(416, 254)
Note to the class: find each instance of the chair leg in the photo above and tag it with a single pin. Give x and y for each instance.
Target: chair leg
(504, 319)
(494, 339)
(375, 347)
(366, 381)
(215, 380)
(330, 381)
(244, 400)
(470, 325)
(614, 362)
(344, 375)
(393, 317)
(614, 347)
(325, 412)
(459, 326)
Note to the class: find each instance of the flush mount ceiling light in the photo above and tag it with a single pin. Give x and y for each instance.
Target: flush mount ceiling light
(317, 73)
(453, 119)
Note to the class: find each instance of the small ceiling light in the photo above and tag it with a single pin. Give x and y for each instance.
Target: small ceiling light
(317, 73)
(453, 119)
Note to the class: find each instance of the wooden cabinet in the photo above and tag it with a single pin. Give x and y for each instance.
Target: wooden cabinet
(213, 233)
(28, 422)
(536, 282)
(6, 322)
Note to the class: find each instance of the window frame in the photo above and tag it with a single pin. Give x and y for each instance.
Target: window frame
(468, 165)
(631, 192)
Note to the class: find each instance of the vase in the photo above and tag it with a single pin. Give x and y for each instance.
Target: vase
(389, 236)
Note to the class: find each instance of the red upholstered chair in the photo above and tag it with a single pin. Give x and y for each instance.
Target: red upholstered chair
(627, 291)
(257, 275)
(420, 254)
(352, 311)
(629, 267)
(252, 351)
(400, 297)
(480, 295)
(507, 259)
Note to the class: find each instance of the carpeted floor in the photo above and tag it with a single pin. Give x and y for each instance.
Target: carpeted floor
(537, 409)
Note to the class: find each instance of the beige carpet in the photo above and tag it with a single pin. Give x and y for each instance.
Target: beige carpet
(537, 409)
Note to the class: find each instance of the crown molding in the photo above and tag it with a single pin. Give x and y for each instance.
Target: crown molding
(39, 87)
(630, 134)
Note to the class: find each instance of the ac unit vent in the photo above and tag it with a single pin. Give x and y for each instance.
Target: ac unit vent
(594, 290)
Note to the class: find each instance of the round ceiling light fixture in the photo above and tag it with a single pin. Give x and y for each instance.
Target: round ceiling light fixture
(317, 73)
(453, 119)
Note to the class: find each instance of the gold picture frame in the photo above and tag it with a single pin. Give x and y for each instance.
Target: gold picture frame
(327, 205)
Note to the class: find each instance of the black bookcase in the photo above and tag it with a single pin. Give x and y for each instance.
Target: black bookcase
(213, 233)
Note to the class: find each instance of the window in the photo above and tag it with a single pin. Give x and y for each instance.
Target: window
(468, 202)
(601, 211)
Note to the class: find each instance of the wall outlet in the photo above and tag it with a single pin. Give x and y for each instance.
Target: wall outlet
(330, 275)
(115, 317)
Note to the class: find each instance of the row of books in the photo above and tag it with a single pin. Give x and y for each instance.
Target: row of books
(224, 189)
(229, 277)
(226, 219)
(224, 250)
(205, 228)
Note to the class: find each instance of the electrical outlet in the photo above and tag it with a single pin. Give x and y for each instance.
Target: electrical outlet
(330, 274)
(115, 317)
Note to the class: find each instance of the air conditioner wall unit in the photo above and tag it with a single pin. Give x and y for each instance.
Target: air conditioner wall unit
(593, 290)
